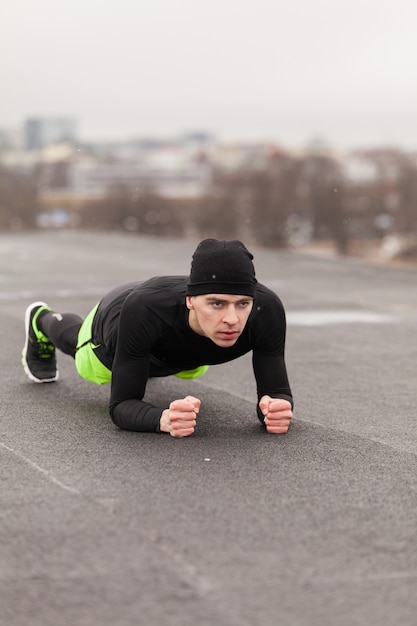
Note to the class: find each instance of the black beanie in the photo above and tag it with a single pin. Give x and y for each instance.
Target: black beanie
(222, 267)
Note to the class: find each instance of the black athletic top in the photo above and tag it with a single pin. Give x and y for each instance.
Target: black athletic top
(142, 331)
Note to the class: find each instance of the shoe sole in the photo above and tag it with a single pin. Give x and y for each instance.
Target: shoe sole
(25, 347)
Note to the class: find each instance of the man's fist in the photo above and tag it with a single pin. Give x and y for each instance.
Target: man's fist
(278, 414)
(180, 419)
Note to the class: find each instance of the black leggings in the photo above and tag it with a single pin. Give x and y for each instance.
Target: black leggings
(61, 329)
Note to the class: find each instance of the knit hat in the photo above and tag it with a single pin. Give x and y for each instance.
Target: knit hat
(222, 267)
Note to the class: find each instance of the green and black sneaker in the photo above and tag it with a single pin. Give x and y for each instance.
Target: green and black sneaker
(38, 354)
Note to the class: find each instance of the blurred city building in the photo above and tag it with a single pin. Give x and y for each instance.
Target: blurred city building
(175, 169)
(40, 132)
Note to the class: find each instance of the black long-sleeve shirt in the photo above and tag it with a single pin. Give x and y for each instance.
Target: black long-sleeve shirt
(142, 330)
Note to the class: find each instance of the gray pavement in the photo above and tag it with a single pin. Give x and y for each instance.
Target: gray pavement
(230, 527)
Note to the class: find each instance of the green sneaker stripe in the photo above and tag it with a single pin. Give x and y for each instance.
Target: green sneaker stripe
(39, 334)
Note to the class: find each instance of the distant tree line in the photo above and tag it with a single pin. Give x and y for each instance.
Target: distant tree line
(19, 200)
(277, 201)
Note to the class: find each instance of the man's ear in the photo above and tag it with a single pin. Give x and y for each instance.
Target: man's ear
(189, 302)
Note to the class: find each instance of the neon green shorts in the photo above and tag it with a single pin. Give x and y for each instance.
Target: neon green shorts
(90, 367)
(87, 363)
(195, 373)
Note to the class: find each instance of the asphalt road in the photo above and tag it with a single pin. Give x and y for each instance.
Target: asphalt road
(230, 527)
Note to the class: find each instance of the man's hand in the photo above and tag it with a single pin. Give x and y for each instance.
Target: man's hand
(180, 419)
(278, 414)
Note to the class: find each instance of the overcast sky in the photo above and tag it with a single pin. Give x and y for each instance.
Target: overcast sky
(289, 71)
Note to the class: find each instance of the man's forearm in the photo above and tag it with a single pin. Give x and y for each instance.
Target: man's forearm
(136, 415)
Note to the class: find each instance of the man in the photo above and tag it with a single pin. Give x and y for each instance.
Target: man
(171, 325)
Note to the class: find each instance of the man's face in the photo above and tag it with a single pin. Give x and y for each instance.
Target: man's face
(220, 317)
